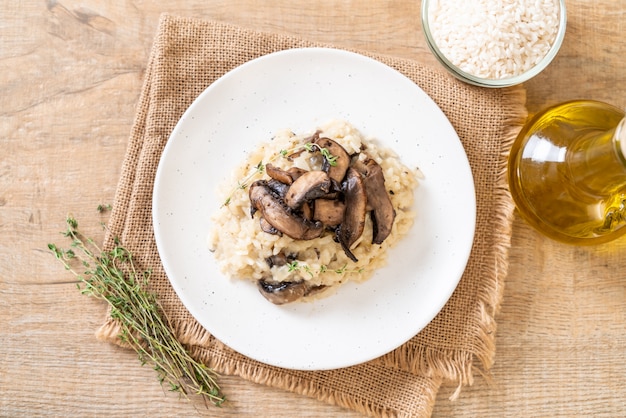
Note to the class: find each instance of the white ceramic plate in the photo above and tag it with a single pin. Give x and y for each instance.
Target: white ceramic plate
(300, 89)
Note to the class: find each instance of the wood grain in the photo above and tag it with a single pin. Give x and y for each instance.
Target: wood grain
(70, 75)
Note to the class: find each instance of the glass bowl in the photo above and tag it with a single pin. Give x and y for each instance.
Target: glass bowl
(494, 82)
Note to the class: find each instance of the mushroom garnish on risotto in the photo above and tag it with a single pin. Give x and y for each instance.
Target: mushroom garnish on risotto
(312, 212)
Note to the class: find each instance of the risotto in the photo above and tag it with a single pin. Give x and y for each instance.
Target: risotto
(303, 215)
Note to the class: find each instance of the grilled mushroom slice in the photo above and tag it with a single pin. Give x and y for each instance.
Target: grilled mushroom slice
(284, 176)
(328, 211)
(353, 222)
(280, 293)
(267, 227)
(280, 189)
(342, 159)
(278, 174)
(383, 213)
(278, 215)
(309, 186)
(306, 211)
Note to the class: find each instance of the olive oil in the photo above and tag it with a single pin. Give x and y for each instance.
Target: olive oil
(567, 172)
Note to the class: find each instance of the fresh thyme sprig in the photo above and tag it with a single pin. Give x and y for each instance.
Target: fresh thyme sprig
(244, 183)
(332, 159)
(296, 266)
(104, 207)
(259, 169)
(112, 275)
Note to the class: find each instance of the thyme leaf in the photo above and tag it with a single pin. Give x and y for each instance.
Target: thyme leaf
(113, 276)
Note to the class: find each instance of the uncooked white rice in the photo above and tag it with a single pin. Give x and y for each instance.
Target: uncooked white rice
(494, 39)
(241, 248)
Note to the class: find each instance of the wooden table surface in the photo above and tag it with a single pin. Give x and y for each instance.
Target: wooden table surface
(70, 76)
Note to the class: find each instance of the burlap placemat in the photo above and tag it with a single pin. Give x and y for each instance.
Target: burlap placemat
(187, 56)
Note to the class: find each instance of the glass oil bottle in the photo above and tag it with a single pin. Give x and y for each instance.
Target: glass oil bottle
(567, 172)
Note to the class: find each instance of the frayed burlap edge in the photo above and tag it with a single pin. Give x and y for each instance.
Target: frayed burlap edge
(312, 389)
(212, 354)
(458, 366)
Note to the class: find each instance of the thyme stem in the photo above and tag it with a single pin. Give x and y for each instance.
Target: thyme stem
(113, 277)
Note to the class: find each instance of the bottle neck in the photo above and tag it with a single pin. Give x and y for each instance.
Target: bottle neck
(619, 138)
(600, 161)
